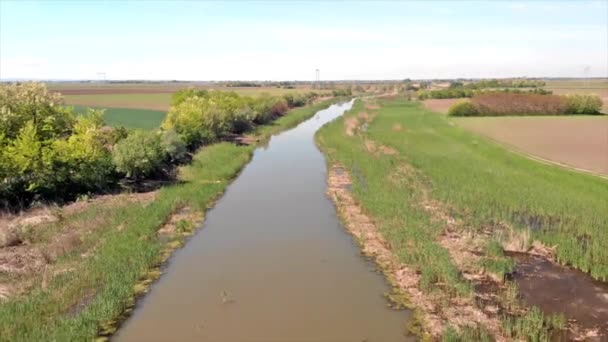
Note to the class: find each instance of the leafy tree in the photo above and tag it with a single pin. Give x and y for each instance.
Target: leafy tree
(139, 155)
(22, 103)
(173, 146)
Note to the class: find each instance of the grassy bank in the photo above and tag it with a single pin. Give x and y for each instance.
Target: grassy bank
(408, 162)
(84, 292)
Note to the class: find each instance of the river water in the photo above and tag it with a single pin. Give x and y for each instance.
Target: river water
(271, 262)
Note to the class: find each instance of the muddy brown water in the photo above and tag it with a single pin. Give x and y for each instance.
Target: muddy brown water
(556, 289)
(271, 262)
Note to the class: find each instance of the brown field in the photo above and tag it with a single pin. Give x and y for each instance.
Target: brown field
(577, 141)
(439, 105)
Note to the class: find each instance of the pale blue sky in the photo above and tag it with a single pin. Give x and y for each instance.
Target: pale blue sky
(196, 40)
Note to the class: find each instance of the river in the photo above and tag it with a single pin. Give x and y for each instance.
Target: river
(271, 262)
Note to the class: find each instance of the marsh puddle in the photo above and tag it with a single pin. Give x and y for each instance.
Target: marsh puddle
(271, 262)
(556, 289)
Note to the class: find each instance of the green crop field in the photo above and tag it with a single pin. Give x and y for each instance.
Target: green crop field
(151, 101)
(130, 118)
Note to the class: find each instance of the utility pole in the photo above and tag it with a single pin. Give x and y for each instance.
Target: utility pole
(317, 79)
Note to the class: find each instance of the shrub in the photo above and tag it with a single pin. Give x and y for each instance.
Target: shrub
(584, 104)
(45, 151)
(84, 162)
(279, 107)
(173, 146)
(295, 100)
(197, 120)
(463, 108)
(182, 94)
(139, 155)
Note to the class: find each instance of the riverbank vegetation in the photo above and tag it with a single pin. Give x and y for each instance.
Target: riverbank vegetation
(46, 146)
(75, 271)
(450, 204)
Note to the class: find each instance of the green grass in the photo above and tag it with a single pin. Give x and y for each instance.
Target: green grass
(485, 184)
(481, 184)
(130, 118)
(127, 247)
(393, 205)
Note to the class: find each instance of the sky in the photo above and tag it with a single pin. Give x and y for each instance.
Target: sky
(288, 40)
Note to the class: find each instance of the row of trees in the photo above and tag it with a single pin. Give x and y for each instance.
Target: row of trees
(48, 152)
(462, 92)
(516, 83)
(497, 104)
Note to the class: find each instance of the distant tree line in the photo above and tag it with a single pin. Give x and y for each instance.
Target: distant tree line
(461, 92)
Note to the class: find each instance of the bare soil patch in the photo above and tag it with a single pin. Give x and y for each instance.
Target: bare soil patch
(555, 289)
(576, 141)
(439, 105)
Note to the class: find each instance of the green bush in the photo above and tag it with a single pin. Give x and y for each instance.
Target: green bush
(463, 108)
(197, 120)
(84, 161)
(139, 155)
(173, 146)
(45, 151)
(584, 104)
(182, 94)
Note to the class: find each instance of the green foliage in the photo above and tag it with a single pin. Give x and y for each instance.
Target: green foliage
(463, 108)
(139, 155)
(584, 104)
(204, 117)
(534, 326)
(198, 120)
(51, 154)
(182, 94)
(495, 260)
(83, 160)
(342, 92)
(173, 146)
(466, 334)
(32, 102)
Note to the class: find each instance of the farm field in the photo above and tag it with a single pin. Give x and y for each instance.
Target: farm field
(457, 210)
(439, 105)
(129, 118)
(150, 101)
(577, 141)
(147, 96)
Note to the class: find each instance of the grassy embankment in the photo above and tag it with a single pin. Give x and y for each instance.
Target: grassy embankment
(480, 184)
(120, 256)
